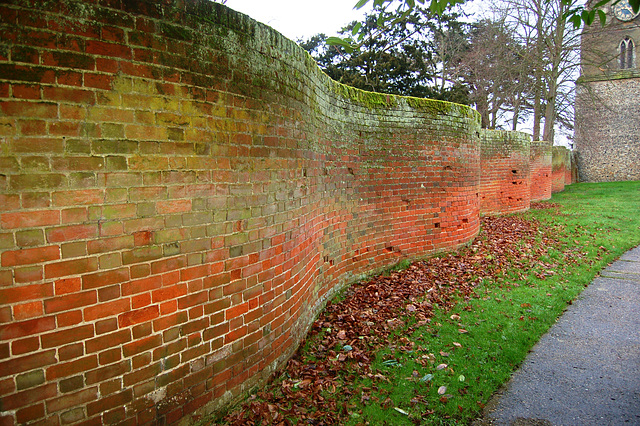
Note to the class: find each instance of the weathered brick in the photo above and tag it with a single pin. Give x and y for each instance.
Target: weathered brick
(70, 267)
(30, 256)
(64, 337)
(138, 316)
(27, 362)
(106, 309)
(72, 399)
(28, 397)
(27, 310)
(30, 219)
(71, 233)
(108, 340)
(70, 368)
(30, 379)
(26, 328)
(106, 278)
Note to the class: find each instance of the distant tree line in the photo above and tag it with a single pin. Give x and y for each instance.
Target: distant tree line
(518, 65)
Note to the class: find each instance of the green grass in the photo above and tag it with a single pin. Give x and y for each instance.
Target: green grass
(594, 225)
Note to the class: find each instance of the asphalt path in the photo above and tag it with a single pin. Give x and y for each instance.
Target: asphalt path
(586, 369)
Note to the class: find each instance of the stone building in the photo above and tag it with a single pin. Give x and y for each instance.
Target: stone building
(607, 114)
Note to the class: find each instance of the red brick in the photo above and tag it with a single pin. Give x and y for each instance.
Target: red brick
(63, 337)
(27, 310)
(71, 233)
(75, 399)
(72, 351)
(98, 81)
(167, 293)
(106, 325)
(24, 91)
(107, 309)
(26, 328)
(105, 245)
(68, 285)
(70, 301)
(110, 356)
(70, 368)
(27, 414)
(136, 317)
(108, 340)
(141, 345)
(109, 293)
(70, 267)
(26, 363)
(107, 278)
(102, 48)
(9, 202)
(21, 399)
(105, 373)
(68, 319)
(173, 206)
(68, 94)
(141, 285)
(23, 346)
(79, 197)
(28, 274)
(30, 256)
(18, 294)
(29, 109)
(109, 402)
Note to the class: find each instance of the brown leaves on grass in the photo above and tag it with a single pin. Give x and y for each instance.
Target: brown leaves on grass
(315, 386)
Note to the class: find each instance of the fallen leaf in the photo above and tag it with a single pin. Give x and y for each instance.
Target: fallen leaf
(455, 317)
(462, 330)
(341, 335)
(441, 366)
(442, 390)
(457, 345)
(401, 411)
(427, 378)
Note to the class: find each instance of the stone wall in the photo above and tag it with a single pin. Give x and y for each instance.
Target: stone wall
(181, 191)
(607, 117)
(505, 183)
(608, 128)
(541, 160)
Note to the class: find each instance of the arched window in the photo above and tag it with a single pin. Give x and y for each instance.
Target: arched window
(627, 54)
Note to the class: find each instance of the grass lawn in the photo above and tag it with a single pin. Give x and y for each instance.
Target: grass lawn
(442, 351)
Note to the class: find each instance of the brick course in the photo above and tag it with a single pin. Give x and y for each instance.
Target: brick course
(505, 184)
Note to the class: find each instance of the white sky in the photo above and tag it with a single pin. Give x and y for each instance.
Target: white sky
(297, 19)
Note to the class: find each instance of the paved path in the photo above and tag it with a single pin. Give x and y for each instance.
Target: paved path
(586, 369)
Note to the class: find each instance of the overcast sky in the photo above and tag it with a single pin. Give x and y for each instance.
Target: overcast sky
(300, 18)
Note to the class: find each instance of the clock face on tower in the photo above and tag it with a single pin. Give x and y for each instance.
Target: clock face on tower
(623, 11)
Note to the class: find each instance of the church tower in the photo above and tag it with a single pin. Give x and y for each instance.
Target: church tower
(607, 110)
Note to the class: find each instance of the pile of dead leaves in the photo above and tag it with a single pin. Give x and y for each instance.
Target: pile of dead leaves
(314, 387)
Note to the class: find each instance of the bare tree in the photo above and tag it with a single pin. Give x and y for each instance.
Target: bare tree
(494, 69)
(552, 54)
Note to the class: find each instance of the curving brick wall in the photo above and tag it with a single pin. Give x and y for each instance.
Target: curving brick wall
(561, 172)
(181, 190)
(540, 161)
(505, 184)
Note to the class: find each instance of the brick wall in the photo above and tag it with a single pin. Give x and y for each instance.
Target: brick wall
(540, 160)
(181, 190)
(505, 182)
(561, 169)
